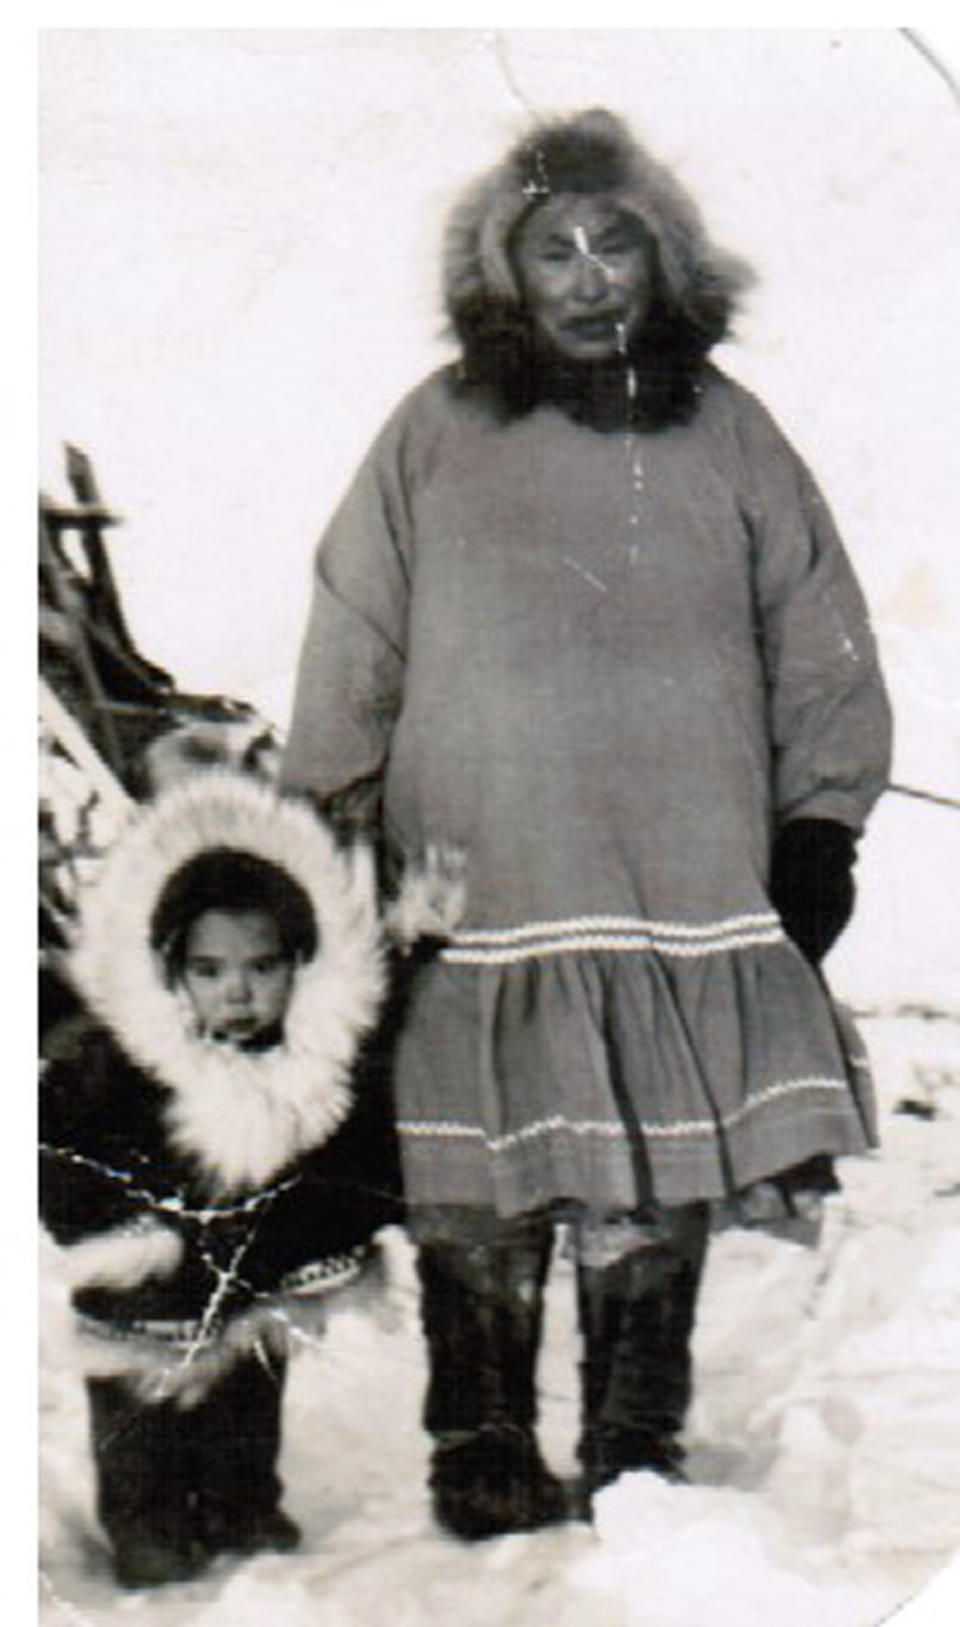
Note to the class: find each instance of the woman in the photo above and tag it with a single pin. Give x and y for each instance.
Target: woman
(584, 615)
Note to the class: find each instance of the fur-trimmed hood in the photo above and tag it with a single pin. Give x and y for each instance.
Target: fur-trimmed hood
(586, 152)
(696, 285)
(241, 1116)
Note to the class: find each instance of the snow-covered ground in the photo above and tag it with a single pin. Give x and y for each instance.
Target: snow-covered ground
(825, 1436)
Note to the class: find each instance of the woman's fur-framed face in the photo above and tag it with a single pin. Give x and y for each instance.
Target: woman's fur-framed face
(585, 270)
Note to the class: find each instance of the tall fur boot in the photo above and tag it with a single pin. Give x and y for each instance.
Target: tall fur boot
(482, 1310)
(146, 1498)
(237, 1445)
(636, 1320)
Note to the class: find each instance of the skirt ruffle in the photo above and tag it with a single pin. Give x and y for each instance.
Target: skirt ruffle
(616, 1079)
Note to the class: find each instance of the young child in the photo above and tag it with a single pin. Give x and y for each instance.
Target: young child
(213, 1144)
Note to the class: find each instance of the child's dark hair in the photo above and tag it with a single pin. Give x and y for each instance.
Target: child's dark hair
(232, 880)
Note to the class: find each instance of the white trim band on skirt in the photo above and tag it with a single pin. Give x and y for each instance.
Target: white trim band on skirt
(613, 1130)
(613, 934)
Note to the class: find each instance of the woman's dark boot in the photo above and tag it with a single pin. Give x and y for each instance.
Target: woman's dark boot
(636, 1321)
(482, 1310)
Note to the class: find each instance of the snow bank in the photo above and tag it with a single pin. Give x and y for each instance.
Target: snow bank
(685, 1555)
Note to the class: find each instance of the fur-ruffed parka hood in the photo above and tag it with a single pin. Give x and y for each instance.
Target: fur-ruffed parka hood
(588, 152)
(241, 1115)
(697, 284)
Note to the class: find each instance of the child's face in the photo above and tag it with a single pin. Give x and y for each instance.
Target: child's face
(235, 973)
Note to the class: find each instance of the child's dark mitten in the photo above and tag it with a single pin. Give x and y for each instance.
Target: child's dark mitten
(811, 882)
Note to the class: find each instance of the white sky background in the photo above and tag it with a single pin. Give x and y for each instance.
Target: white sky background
(240, 276)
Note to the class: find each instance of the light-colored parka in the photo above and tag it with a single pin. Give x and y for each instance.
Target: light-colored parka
(607, 665)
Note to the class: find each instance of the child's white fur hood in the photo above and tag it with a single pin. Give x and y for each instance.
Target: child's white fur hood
(242, 1116)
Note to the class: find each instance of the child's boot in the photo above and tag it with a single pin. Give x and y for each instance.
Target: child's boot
(144, 1492)
(142, 1560)
(236, 1434)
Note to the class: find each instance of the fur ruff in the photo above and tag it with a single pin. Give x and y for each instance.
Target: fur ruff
(695, 284)
(589, 152)
(123, 1257)
(184, 1370)
(241, 1116)
(431, 900)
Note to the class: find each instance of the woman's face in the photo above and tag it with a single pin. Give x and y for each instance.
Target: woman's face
(585, 274)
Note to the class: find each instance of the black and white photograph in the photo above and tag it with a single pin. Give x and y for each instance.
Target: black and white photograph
(499, 826)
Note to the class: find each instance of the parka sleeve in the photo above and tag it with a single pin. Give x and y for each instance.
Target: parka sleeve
(82, 1189)
(828, 713)
(349, 685)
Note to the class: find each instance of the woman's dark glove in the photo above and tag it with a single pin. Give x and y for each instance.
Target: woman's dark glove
(811, 882)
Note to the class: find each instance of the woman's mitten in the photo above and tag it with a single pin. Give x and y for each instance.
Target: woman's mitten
(811, 882)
